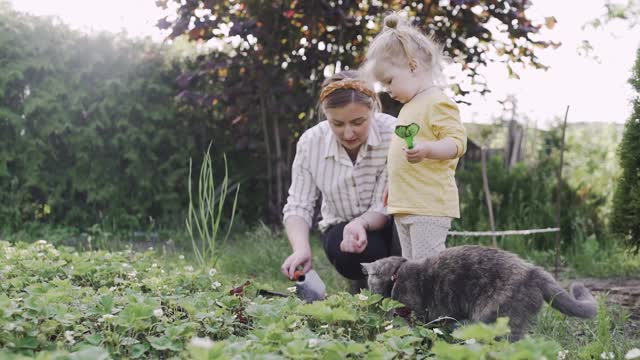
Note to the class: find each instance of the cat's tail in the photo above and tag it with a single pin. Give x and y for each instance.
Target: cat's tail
(577, 302)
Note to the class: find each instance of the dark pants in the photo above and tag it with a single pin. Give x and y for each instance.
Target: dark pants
(380, 244)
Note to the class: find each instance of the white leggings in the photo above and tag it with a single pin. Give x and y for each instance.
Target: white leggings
(422, 236)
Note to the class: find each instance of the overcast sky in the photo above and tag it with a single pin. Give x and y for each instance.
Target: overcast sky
(596, 91)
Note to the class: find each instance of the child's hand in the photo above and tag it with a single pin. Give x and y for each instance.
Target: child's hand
(419, 152)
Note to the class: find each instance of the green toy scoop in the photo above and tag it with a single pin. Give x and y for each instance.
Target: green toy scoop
(407, 133)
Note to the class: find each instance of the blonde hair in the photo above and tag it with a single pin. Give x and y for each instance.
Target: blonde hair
(344, 88)
(401, 44)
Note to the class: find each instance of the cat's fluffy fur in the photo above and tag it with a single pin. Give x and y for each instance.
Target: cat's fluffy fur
(475, 283)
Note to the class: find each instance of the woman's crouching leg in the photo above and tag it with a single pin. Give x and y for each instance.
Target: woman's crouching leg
(380, 244)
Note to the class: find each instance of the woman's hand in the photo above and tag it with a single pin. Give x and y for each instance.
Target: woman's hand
(294, 260)
(354, 236)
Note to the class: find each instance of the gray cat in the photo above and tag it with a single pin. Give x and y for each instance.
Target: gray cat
(475, 283)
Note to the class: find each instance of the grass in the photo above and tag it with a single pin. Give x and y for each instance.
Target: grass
(259, 253)
(588, 258)
(588, 339)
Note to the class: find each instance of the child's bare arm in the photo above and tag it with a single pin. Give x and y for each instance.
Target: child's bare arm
(443, 149)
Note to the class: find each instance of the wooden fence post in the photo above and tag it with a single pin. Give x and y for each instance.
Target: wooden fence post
(487, 193)
(558, 195)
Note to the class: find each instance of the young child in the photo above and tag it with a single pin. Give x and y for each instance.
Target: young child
(423, 194)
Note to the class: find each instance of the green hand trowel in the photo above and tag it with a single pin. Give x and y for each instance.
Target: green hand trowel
(407, 133)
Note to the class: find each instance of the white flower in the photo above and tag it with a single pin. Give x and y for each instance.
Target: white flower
(113, 288)
(438, 331)
(105, 317)
(181, 257)
(633, 354)
(212, 272)
(470, 341)
(292, 289)
(604, 355)
(204, 343)
(188, 268)
(215, 285)
(68, 335)
(562, 354)
(41, 242)
(388, 327)
(157, 312)
(150, 248)
(324, 326)
(154, 265)
(313, 342)
(362, 297)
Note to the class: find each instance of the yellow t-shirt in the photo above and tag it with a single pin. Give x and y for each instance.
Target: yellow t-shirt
(428, 187)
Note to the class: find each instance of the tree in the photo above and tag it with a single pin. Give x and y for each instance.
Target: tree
(629, 13)
(271, 57)
(626, 201)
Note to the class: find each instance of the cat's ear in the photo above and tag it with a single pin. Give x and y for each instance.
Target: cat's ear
(365, 268)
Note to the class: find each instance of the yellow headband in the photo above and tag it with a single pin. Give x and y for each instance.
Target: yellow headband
(347, 84)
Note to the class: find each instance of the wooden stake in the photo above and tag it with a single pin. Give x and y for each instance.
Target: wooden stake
(487, 193)
(558, 195)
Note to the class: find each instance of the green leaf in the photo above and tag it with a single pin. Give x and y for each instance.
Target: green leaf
(412, 130)
(445, 351)
(345, 349)
(28, 342)
(95, 339)
(135, 316)
(6, 306)
(105, 304)
(214, 351)
(91, 353)
(401, 131)
(482, 332)
(164, 343)
(138, 350)
(324, 313)
(389, 304)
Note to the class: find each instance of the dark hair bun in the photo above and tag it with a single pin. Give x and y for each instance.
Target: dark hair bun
(391, 21)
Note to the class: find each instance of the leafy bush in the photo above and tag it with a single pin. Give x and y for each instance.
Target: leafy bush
(90, 132)
(626, 204)
(524, 198)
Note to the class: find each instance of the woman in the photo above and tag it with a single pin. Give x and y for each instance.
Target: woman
(344, 159)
